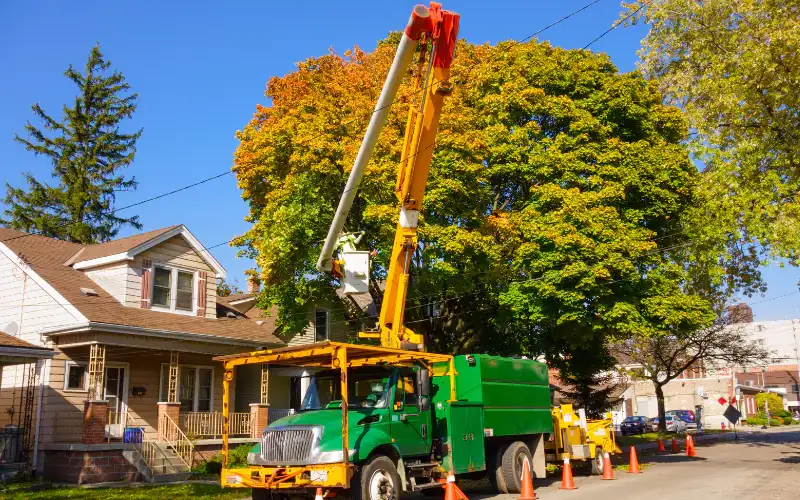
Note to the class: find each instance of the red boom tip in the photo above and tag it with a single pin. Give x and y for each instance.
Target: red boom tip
(419, 23)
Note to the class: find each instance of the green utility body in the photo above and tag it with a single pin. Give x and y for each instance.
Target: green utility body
(406, 423)
(497, 399)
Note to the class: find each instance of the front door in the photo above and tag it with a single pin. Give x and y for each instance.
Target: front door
(116, 395)
(410, 427)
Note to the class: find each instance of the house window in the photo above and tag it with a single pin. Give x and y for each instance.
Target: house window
(76, 378)
(195, 387)
(321, 325)
(173, 289)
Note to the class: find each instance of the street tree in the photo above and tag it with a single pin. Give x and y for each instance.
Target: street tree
(225, 289)
(88, 152)
(555, 204)
(661, 359)
(733, 67)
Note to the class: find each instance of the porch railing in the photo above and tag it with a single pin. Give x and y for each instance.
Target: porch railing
(153, 457)
(68, 426)
(275, 414)
(210, 424)
(169, 432)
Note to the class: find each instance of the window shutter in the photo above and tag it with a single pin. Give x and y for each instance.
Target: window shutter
(147, 285)
(201, 293)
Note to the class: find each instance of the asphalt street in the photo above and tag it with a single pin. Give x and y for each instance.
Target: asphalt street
(760, 465)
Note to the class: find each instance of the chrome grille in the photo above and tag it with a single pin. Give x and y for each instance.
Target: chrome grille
(285, 446)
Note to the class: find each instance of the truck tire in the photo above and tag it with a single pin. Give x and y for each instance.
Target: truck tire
(377, 480)
(511, 462)
(260, 494)
(597, 462)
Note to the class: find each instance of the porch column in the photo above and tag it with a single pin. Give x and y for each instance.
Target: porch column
(259, 412)
(95, 417)
(169, 411)
(167, 414)
(95, 409)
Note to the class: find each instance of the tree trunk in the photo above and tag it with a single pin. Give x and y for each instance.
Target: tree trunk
(662, 421)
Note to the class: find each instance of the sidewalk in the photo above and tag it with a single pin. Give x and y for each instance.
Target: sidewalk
(744, 431)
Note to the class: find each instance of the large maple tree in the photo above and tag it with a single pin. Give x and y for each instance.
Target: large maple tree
(557, 195)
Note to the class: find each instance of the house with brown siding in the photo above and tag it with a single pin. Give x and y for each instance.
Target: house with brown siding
(124, 385)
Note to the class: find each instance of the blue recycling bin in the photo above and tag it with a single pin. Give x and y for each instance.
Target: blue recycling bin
(133, 435)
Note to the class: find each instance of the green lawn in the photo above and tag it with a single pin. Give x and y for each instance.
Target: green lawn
(167, 492)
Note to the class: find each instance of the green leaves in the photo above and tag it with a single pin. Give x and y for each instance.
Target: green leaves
(87, 151)
(557, 196)
(733, 66)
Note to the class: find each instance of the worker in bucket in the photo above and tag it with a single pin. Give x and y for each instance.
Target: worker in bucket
(347, 241)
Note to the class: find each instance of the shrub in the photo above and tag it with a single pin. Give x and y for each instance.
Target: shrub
(209, 467)
(787, 420)
(755, 421)
(780, 413)
(237, 458)
(775, 422)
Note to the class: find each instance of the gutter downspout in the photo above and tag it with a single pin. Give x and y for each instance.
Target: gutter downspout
(44, 370)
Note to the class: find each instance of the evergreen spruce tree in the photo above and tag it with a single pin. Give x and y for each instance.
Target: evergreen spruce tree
(87, 150)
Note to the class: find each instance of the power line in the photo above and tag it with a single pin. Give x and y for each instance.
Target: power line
(378, 109)
(353, 120)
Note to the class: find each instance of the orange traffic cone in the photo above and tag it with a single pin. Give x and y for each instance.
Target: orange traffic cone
(690, 446)
(608, 471)
(675, 448)
(526, 492)
(634, 466)
(661, 445)
(567, 482)
(319, 495)
(450, 490)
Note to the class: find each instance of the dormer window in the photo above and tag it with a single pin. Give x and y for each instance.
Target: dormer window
(173, 289)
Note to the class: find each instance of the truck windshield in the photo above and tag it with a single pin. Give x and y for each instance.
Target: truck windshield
(365, 388)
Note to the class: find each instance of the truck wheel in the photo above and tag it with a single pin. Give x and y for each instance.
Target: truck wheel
(378, 480)
(514, 456)
(260, 494)
(597, 463)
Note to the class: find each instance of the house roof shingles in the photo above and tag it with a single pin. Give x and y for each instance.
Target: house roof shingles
(114, 247)
(47, 256)
(7, 340)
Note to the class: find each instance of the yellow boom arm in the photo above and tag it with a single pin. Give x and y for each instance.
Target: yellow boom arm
(432, 85)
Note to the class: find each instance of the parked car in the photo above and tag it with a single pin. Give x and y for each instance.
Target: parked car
(634, 425)
(674, 424)
(686, 416)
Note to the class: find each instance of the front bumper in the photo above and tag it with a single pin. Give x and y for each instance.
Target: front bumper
(301, 476)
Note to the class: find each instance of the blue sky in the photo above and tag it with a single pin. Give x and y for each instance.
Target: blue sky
(200, 69)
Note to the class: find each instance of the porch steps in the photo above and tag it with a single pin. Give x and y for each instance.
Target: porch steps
(165, 468)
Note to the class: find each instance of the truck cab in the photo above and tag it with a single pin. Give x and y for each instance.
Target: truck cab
(388, 411)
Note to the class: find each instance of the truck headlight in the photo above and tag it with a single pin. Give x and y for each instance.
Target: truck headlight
(252, 458)
(330, 457)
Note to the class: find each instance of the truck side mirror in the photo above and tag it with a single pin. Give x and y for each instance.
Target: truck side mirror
(423, 382)
(424, 403)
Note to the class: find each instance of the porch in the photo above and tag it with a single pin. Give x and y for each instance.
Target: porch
(161, 410)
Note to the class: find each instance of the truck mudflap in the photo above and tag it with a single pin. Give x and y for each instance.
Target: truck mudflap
(303, 476)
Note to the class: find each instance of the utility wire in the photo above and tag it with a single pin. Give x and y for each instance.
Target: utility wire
(559, 21)
(353, 120)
